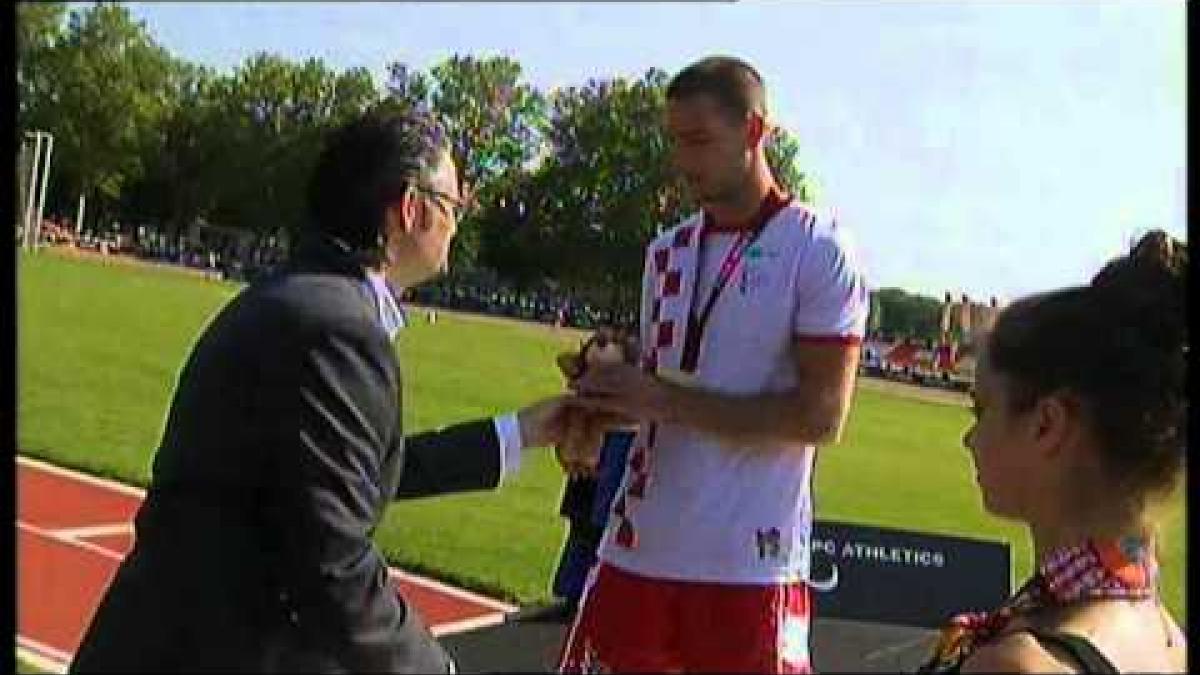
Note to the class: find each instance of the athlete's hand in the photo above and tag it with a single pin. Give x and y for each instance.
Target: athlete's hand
(623, 389)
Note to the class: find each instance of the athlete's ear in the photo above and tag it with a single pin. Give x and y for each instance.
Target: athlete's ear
(757, 129)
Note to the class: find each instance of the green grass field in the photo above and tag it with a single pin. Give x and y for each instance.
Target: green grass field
(100, 345)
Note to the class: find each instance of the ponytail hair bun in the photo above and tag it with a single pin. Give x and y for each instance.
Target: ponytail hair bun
(1148, 289)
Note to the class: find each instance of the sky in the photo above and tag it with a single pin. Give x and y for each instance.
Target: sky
(988, 148)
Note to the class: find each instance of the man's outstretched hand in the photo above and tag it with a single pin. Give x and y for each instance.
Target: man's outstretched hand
(575, 433)
(545, 422)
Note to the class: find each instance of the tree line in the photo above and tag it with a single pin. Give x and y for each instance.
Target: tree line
(566, 186)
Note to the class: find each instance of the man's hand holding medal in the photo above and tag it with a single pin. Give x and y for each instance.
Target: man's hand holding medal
(595, 372)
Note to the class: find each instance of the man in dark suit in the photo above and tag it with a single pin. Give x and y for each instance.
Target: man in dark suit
(283, 444)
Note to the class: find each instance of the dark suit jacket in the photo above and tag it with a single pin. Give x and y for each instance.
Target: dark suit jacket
(282, 448)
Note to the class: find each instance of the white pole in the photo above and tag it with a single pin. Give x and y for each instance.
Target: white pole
(22, 191)
(37, 230)
(29, 201)
(79, 217)
(30, 188)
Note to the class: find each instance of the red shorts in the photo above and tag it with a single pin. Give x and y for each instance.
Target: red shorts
(628, 622)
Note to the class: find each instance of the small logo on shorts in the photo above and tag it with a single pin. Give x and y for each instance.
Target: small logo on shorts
(768, 543)
(794, 641)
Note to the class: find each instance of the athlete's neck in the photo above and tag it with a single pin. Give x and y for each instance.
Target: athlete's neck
(746, 205)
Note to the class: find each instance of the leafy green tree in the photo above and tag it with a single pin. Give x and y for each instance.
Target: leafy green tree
(273, 114)
(184, 178)
(103, 90)
(606, 187)
(405, 89)
(783, 156)
(908, 314)
(39, 28)
(495, 123)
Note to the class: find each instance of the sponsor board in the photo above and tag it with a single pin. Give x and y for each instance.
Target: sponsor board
(893, 576)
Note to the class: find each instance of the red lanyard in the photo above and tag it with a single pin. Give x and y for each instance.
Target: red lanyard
(772, 204)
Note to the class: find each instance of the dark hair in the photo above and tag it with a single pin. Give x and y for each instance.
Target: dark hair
(1119, 345)
(364, 165)
(735, 85)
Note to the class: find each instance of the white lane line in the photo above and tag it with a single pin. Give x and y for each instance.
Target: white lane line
(136, 492)
(892, 650)
(86, 545)
(81, 477)
(463, 625)
(42, 656)
(456, 592)
(106, 530)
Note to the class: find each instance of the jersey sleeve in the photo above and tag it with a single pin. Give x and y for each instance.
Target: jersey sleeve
(832, 298)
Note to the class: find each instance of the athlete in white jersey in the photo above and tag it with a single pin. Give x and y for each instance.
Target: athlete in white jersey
(752, 315)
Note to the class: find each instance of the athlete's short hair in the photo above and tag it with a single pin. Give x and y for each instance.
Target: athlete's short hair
(734, 84)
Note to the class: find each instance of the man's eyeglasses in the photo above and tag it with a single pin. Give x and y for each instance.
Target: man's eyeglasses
(453, 204)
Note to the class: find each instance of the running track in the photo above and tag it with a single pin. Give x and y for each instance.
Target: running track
(74, 529)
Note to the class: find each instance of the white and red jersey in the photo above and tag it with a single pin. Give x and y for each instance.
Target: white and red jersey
(691, 507)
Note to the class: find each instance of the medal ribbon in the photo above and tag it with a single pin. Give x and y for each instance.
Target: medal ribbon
(1095, 569)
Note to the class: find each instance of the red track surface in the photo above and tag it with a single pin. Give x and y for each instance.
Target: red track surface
(72, 532)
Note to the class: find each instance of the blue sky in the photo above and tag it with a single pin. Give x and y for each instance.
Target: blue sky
(991, 148)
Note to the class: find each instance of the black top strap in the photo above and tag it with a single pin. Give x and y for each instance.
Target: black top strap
(1080, 649)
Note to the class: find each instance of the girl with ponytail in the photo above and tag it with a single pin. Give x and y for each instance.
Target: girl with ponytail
(1080, 426)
